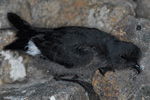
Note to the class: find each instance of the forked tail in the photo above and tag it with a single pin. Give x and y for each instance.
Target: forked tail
(18, 23)
(24, 33)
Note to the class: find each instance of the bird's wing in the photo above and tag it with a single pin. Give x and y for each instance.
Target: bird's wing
(57, 48)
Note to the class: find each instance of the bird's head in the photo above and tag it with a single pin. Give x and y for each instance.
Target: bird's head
(124, 54)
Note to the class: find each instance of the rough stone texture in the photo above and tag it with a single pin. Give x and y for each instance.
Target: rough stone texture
(143, 8)
(101, 14)
(108, 15)
(46, 89)
(14, 67)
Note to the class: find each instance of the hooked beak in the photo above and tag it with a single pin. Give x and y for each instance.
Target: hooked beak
(138, 68)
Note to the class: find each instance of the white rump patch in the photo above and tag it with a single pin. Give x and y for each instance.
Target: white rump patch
(32, 49)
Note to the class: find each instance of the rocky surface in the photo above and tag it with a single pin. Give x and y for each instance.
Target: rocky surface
(108, 13)
(143, 8)
(43, 88)
(21, 78)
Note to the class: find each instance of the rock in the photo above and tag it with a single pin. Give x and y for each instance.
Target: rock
(144, 93)
(53, 13)
(12, 67)
(124, 84)
(46, 89)
(109, 13)
(134, 30)
(143, 9)
(103, 15)
(16, 6)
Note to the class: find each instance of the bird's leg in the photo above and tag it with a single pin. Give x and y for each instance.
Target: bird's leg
(58, 78)
(75, 77)
(103, 70)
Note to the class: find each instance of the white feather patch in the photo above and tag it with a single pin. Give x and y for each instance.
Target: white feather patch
(32, 49)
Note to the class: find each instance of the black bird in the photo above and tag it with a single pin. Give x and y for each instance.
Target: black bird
(74, 47)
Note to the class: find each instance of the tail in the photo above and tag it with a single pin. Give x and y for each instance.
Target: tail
(18, 23)
(24, 33)
(18, 44)
(87, 86)
(22, 25)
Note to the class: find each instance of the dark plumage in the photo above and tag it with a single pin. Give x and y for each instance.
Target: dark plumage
(74, 47)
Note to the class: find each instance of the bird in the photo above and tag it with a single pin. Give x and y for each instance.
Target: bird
(75, 48)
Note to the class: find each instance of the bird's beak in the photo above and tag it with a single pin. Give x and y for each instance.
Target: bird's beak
(138, 68)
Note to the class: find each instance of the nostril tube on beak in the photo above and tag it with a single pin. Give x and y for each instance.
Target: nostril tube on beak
(138, 68)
